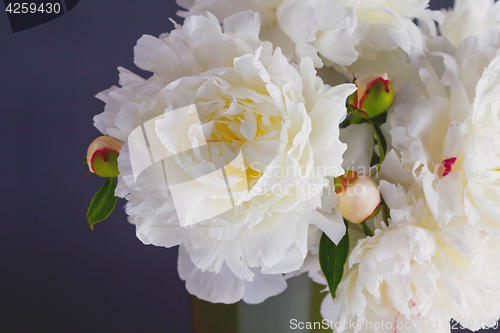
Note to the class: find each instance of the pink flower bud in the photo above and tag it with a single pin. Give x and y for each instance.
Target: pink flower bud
(373, 97)
(359, 197)
(102, 156)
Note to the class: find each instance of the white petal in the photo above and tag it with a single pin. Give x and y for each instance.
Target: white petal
(298, 20)
(222, 287)
(244, 26)
(332, 224)
(263, 286)
(359, 140)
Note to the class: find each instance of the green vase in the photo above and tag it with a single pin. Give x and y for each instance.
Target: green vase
(299, 303)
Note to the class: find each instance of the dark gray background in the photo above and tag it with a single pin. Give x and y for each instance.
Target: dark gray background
(56, 275)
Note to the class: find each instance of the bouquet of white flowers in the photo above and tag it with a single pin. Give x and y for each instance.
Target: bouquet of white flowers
(250, 149)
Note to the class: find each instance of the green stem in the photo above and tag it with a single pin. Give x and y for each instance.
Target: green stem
(386, 213)
(382, 144)
(366, 229)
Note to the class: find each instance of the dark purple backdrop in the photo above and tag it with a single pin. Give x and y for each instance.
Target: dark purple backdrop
(56, 275)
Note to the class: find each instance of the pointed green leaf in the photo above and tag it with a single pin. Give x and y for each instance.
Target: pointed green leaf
(103, 203)
(332, 259)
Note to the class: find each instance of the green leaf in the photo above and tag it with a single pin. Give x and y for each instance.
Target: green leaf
(85, 160)
(103, 203)
(332, 259)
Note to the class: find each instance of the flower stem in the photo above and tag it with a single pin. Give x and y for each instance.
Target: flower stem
(382, 144)
(366, 229)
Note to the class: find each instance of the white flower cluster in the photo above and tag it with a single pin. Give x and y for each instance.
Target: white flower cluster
(436, 256)
(282, 118)
(249, 68)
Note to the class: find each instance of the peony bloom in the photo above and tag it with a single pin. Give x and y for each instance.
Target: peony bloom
(413, 276)
(436, 259)
(470, 17)
(482, 152)
(299, 27)
(437, 132)
(249, 99)
(329, 31)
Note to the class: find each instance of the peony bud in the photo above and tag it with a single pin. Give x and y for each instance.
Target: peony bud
(358, 196)
(102, 156)
(373, 97)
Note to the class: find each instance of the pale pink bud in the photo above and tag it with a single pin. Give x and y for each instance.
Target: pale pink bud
(358, 199)
(102, 156)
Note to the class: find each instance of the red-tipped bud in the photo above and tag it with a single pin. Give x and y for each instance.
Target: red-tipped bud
(373, 97)
(102, 156)
(358, 195)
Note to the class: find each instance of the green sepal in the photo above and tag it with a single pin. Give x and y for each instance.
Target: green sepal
(105, 162)
(339, 183)
(378, 98)
(380, 119)
(376, 211)
(357, 118)
(366, 229)
(102, 203)
(85, 160)
(352, 102)
(332, 259)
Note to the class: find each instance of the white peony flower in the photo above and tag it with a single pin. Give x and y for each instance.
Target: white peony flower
(482, 152)
(330, 31)
(431, 128)
(470, 17)
(413, 276)
(282, 118)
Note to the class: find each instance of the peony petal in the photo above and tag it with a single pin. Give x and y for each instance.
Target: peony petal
(263, 286)
(332, 224)
(222, 287)
(298, 20)
(244, 26)
(359, 140)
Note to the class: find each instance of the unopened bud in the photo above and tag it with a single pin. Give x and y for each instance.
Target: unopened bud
(102, 156)
(373, 97)
(358, 197)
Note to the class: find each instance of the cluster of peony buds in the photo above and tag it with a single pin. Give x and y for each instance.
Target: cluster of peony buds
(373, 97)
(359, 197)
(102, 156)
